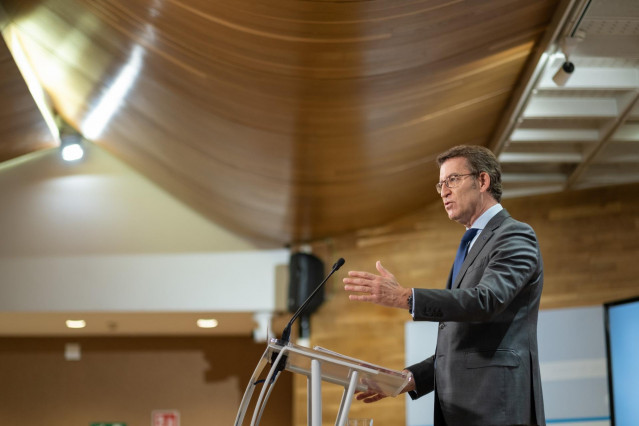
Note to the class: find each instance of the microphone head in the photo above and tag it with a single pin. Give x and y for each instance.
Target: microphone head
(339, 263)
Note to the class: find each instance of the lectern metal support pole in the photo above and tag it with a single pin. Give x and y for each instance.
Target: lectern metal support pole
(316, 393)
(268, 382)
(268, 394)
(248, 393)
(347, 399)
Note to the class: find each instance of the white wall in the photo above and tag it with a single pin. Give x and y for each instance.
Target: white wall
(97, 236)
(97, 206)
(221, 282)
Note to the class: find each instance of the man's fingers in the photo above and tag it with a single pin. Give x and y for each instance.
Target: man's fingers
(364, 395)
(361, 274)
(369, 397)
(383, 271)
(357, 281)
(360, 297)
(373, 398)
(357, 288)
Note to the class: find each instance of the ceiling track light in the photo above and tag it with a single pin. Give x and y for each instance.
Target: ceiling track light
(563, 73)
(71, 147)
(567, 47)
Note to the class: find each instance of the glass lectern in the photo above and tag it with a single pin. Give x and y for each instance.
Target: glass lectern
(318, 365)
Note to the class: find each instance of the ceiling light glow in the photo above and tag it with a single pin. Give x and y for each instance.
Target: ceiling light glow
(207, 323)
(114, 97)
(41, 99)
(72, 152)
(76, 323)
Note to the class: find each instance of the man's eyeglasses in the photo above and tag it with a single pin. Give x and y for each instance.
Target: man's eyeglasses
(452, 181)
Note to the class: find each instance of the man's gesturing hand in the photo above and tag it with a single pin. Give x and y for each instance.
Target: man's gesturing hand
(380, 289)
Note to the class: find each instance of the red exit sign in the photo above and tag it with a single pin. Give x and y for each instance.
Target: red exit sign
(165, 418)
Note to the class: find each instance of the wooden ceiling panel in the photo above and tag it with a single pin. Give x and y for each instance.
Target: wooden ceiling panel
(22, 128)
(284, 121)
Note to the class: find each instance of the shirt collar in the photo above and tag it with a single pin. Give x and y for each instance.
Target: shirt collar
(483, 220)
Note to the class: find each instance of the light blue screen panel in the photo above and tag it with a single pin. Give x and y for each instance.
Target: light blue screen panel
(623, 349)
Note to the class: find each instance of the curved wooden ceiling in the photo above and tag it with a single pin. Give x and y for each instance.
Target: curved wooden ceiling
(285, 121)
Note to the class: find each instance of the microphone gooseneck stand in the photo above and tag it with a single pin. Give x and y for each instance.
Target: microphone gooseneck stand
(278, 359)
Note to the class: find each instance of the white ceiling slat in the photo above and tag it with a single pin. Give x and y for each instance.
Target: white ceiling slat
(533, 177)
(529, 157)
(627, 133)
(554, 135)
(594, 78)
(537, 190)
(571, 107)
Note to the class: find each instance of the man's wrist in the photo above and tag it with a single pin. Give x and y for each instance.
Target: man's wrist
(410, 302)
(410, 383)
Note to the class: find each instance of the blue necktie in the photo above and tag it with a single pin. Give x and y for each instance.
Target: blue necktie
(462, 250)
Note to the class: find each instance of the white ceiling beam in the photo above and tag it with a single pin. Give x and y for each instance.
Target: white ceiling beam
(533, 177)
(536, 157)
(554, 135)
(627, 133)
(590, 78)
(535, 190)
(542, 107)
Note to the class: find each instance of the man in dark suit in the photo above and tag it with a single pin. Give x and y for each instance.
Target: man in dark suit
(486, 369)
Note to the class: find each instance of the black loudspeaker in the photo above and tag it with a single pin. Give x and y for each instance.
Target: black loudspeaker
(306, 272)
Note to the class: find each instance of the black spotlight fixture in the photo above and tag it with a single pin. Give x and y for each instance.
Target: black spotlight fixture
(563, 73)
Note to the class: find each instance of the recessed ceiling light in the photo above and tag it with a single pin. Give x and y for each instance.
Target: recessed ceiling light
(207, 323)
(72, 152)
(76, 323)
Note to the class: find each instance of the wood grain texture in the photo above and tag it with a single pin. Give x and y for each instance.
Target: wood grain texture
(284, 121)
(22, 128)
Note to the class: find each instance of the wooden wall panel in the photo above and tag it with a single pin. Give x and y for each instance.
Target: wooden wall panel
(589, 242)
(124, 379)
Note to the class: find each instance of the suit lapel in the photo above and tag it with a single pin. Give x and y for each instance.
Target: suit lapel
(485, 236)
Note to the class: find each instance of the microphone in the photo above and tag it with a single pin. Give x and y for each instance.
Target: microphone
(286, 334)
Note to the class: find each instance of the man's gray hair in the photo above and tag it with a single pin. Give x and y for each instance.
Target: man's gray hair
(479, 159)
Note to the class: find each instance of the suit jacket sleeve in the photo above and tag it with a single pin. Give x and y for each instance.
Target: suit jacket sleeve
(424, 377)
(499, 265)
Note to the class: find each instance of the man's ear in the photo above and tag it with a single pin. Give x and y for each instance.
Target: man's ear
(484, 181)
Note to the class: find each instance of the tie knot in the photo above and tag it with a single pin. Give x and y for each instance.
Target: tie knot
(469, 235)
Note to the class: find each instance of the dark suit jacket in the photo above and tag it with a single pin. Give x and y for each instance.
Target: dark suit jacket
(487, 366)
